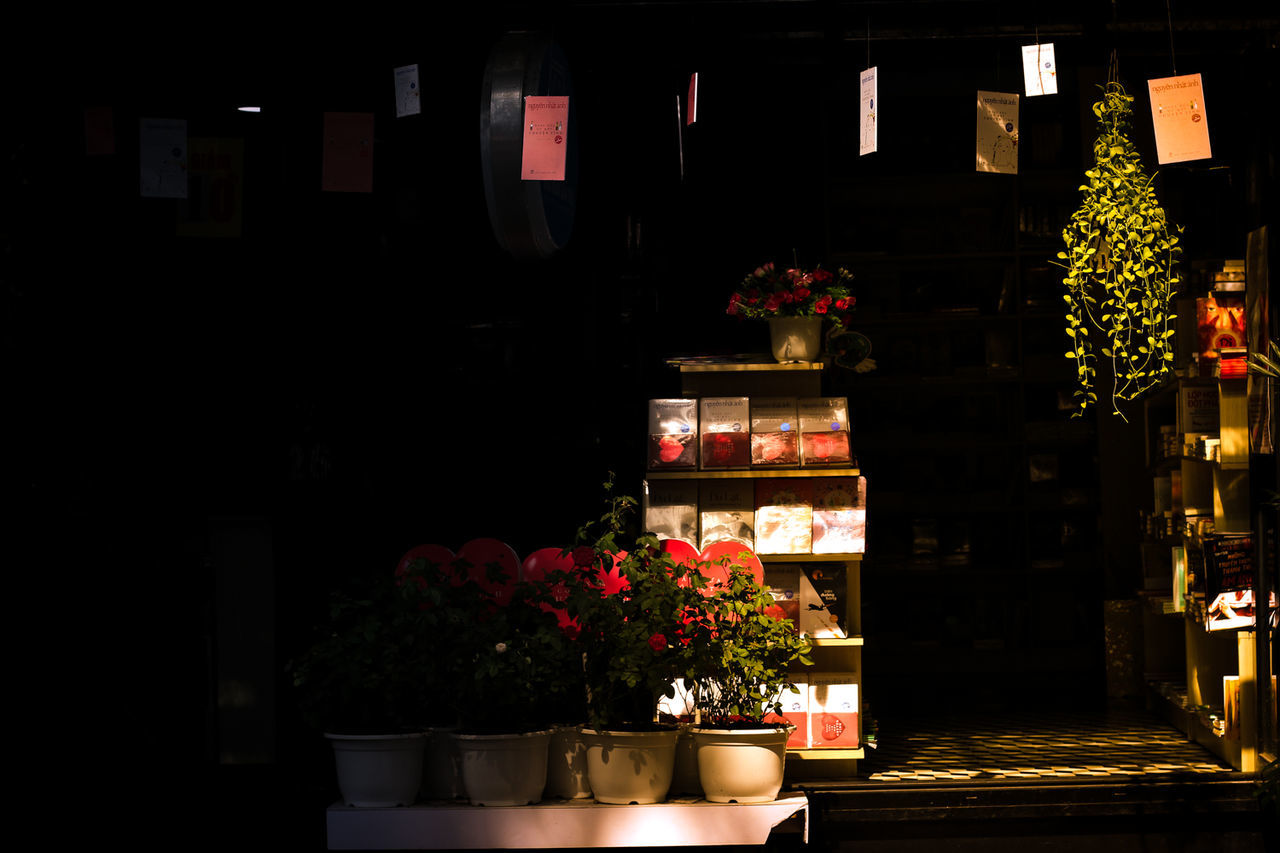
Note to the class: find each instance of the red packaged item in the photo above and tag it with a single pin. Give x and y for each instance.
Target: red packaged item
(774, 432)
(673, 432)
(824, 431)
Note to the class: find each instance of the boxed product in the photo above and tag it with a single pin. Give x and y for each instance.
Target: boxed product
(824, 600)
(784, 516)
(795, 710)
(673, 434)
(833, 711)
(670, 509)
(783, 582)
(724, 425)
(1220, 323)
(840, 515)
(775, 434)
(824, 431)
(726, 513)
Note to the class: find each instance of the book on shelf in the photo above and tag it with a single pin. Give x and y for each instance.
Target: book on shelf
(833, 711)
(775, 432)
(673, 434)
(726, 513)
(670, 509)
(784, 516)
(824, 600)
(840, 515)
(824, 431)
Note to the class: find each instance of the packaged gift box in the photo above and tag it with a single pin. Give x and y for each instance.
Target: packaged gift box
(775, 432)
(833, 711)
(673, 434)
(784, 516)
(726, 513)
(783, 582)
(670, 509)
(795, 710)
(724, 425)
(824, 431)
(840, 515)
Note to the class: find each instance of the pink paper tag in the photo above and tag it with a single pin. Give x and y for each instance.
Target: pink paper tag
(546, 125)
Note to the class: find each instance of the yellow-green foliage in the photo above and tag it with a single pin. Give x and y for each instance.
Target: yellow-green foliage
(1120, 257)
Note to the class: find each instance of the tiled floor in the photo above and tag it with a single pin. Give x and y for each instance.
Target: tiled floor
(1035, 746)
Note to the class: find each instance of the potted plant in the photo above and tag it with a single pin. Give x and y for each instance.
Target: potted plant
(362, 685)
(636, 608)
(796, 303)
(1120, 257)
(744, 651)
(515, 668)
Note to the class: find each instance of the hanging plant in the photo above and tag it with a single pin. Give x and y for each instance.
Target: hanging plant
(1120, 257)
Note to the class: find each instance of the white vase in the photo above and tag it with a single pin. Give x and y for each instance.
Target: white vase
(630, 767)
(378, 771)
(504, 769)
(795, 338)
(741, 765)
(567, 764)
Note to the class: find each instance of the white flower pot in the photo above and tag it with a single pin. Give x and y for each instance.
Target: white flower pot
(378, 771)
(504, 769)
(567, 764)
(795, 338)
(630, 767)
(741, 765)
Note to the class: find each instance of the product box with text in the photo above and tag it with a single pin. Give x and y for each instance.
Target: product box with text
(726, 513)
(670, 509)
(783, 581)
(840, 515)
(824, 600)
(795, 710)
(833, 711)
(824, 431)
(784, 516)
(673, 434)
(724, 425)
(775, 432)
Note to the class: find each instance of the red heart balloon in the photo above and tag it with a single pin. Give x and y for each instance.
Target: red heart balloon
(612, 580)
(480, 554)
(438, 555)
(680, 550)
(544, 561)
(734, 554)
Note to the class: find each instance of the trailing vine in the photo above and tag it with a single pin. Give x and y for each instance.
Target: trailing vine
(1120, 261)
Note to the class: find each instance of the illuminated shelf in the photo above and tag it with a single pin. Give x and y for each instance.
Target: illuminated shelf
(836, 641)
(564, 824)
(753, 474)
(810, 558)
(751, 363)
(820, 754)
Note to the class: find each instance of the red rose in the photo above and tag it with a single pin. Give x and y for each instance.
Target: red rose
(658, 642)
(801, 292)
(822, 305)
(820, 276)
(584, 556)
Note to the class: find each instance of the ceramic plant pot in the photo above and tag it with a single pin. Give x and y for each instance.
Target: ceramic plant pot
(795, 338)
(504, 769)
(630, 767)
(378, 771)
(741, 765)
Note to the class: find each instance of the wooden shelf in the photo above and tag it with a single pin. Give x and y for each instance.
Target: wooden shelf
(563, 824)
(809, 558)
(751, 363)
(819, 754)
(836, 642)
(752, 474)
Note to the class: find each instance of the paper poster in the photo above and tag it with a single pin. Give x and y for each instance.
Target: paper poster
(546, 123)
(692, 114)
(997, 133)
(162, 149)
(348, 153)
(867, 138)
(1178, 115)
(407, 101)
(1038, 70)
(215, 189)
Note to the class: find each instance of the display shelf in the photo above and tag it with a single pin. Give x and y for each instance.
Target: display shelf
(750, 363)
(809, 558)
(752, 474)
(562, 824)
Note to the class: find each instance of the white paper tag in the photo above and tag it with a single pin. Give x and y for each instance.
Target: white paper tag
(867, 137)
(1038, 69)
(997, 132)
(1179, 118)
(408, 103)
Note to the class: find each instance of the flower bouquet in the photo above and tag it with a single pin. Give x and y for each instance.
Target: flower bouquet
(769, 293)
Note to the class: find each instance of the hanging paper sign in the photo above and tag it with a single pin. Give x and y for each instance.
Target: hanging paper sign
(1038, 70)
(408, 103)
(215, 184)
(997, 132)
(1179, 118)
(347, 166)
(867, 136)
(546, 122)
(162, 149)
(691, 115)
(1228, 582)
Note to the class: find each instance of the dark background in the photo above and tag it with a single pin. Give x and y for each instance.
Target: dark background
(209, 434)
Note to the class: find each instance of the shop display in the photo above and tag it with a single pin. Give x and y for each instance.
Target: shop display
(726, 513)
(724, 425)
(840, 515)
(784, 516)
(673, 434)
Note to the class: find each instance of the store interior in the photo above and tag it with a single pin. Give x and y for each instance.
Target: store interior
(227, 427)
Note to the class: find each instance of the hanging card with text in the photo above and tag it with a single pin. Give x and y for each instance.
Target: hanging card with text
(546, 125)
(868, 139)
(997, 132)
(1179, 118)
(1038, 70)
(408, 103)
